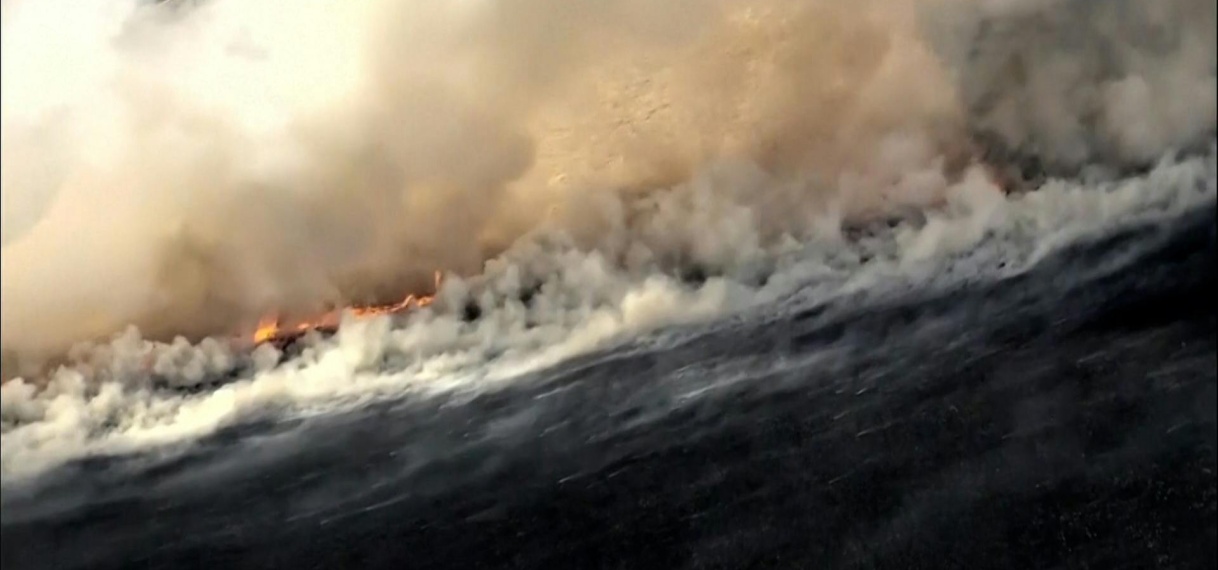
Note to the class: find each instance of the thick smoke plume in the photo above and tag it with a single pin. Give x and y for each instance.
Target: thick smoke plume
(187, 167)
(1066, 84)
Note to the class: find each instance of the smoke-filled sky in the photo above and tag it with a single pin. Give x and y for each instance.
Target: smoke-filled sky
(187, 167)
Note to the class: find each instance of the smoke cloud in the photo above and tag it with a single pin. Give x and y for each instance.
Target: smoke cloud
(187, 167)
(1070, 83)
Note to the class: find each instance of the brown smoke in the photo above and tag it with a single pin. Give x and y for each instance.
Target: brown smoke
(457, 127)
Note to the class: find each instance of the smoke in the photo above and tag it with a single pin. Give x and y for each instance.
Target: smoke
(1070, 83)
(187, 167)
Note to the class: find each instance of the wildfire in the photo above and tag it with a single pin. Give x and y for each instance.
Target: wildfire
(270, 328)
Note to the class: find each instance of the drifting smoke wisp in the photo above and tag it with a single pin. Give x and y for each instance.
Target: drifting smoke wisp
(188, 167)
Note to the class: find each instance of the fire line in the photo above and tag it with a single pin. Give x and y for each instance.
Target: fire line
(271, 329)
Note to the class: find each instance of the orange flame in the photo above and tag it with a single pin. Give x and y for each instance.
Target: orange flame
(270, 328)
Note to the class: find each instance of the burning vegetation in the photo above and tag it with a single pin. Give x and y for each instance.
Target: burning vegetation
(276, 330)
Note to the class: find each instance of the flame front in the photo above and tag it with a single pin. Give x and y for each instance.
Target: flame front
(270, 328)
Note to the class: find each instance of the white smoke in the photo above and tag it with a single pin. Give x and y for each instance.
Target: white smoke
(187, 169)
